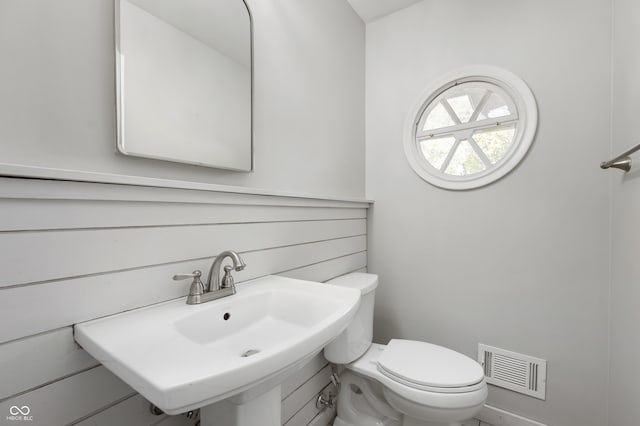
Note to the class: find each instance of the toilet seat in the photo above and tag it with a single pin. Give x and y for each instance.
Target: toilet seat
(428, 396)
(429, 367)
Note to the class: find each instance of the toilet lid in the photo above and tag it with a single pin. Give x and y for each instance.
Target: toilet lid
(424, 364)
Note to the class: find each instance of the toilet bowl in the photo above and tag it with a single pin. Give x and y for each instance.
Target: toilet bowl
(403, 383)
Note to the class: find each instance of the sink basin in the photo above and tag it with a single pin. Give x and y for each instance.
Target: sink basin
(181, 357)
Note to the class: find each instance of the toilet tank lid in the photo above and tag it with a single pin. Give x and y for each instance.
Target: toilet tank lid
(360, 280)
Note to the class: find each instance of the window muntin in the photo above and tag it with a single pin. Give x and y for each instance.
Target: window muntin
(466, 117)
(471, 129)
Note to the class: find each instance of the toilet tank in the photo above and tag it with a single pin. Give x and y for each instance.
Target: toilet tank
(356, 339)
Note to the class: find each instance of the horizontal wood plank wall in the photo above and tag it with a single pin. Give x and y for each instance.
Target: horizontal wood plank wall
(73, 251)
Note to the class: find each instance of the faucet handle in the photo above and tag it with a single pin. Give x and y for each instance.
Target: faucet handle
(227, 280)
(195, 274)
(197, 288)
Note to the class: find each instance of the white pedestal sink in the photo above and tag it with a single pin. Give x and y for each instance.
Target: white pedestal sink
(227, 356)
(263, 410)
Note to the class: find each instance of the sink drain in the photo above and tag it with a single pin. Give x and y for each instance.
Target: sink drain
(250, 352)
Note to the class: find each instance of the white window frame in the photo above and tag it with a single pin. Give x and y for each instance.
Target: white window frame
(526, 117)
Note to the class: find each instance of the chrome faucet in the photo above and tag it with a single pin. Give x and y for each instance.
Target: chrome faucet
(216, 287)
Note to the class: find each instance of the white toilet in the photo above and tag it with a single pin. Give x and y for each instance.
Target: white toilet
(405, 383)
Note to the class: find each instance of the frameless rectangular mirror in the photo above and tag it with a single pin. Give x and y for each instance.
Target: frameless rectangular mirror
(184, 81)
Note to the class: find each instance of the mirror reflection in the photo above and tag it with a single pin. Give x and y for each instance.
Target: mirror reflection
(184, 81)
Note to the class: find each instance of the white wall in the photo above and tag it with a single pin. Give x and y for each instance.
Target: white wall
(625, 268)
(520, 264)
(57, 90)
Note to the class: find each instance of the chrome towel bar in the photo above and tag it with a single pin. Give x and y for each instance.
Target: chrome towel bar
(622, 161)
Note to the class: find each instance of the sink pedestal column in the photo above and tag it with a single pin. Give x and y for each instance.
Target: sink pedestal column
(263, 410)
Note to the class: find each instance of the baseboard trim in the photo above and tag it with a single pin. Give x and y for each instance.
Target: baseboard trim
(497, 417)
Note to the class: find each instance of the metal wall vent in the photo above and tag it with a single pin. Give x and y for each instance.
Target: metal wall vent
(511, 370)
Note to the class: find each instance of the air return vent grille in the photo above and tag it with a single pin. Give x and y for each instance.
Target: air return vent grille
(514, 371)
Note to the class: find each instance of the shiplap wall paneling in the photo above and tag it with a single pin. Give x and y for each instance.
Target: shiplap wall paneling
(299, 404)
(293, 403)
(328, 269)
(30, 362)
(133, 411)
(71, 398)
(307, 413)
(300, 377)
(94, 296)
(24, 214)
(102, 249)
(80, 252)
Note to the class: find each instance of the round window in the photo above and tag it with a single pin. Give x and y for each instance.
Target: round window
(470, 128)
